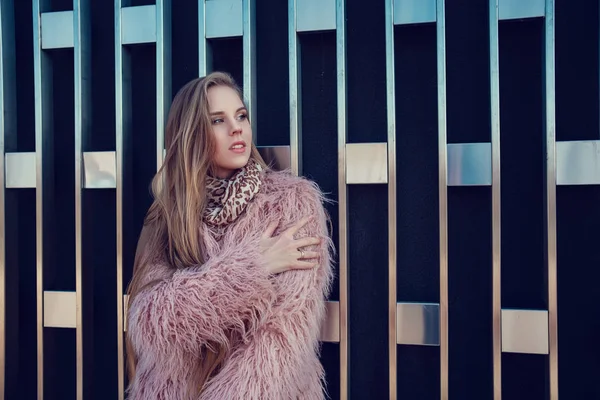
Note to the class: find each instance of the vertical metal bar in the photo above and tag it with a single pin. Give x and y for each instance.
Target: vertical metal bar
(204, 51)
(249, 44)
(391, 143)
(81, 56)
(550, 125)
(8, 221)
(5, 7)
(42, 75)
(163, 74)
(342, 192)
(496, 266)
(295, 98)
(443, 193)
(119, 159)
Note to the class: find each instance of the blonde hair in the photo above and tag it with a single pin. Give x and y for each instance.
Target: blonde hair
(171, 230)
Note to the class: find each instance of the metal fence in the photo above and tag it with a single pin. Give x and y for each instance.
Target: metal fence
(77, 304)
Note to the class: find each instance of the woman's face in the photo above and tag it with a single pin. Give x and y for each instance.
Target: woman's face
(231, 130)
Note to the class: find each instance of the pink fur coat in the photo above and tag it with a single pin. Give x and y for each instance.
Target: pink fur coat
(271, 324)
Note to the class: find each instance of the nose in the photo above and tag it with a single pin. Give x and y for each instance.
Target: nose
(236, 128)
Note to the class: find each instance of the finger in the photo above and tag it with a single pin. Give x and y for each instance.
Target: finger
(270, 229)
(296, 227)
(305, 265)
(307, 241)
(308, 255)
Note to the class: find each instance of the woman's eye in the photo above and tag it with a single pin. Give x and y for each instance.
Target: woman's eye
(243, 116)
(217, 121)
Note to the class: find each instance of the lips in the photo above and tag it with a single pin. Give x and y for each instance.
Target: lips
(238, 147)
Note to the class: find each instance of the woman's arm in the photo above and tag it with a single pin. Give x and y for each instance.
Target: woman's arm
(202, 305)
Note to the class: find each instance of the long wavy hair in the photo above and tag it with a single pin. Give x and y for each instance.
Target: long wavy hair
(171, 230)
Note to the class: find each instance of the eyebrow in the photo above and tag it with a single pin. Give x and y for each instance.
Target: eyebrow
(221, 112)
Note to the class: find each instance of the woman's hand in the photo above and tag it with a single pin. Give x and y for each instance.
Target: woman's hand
(283, 253)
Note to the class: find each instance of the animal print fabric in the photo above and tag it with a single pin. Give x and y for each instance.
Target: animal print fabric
(228, 198)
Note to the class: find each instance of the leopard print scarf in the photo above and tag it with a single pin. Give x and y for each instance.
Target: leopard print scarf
(227, 199)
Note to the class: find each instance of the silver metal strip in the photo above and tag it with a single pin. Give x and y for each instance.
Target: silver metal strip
(61, 311)
(414, 11)
(278, 157)
(204, 62)
(525, 331)
(20, 170)
(577, 162)
(496, 266)
(7, 140)
(295, 98)
(99, 170)
(418, 324)
(316, 15)
(163, 74)
(138, 24)
(330, 330)
(366, 163)
(43, 142)
(469, 164)
(519, 9)
(249, 44)
(82, 71)
(342, 129)
(391, 147)
(551, 246)
(224, 18)
(57, 28)
(121, 117)
(443, 193)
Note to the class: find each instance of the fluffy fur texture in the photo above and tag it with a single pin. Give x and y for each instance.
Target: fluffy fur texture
(269, 324)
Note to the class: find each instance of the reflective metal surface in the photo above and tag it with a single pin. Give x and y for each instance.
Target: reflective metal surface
(517, 9)
(82, 71)
(8, 139)
(20, 170)
(330, 331)
(550, 197)
(366, 163)
(44, 137)
(316, 15)
(390, 92)
(495, 125)
(278, 157)
(578, 162)
(249, 67)
(443, 193)
(525, 331)
(163, 74)
(418, 324)
(295, 99)
(100, 170)
(469, 164)
(204, 49)
(57, 30)
(138, 24)
(223, 18)
(60, 309)
(414, 11)
(122, 117)
(342, 133)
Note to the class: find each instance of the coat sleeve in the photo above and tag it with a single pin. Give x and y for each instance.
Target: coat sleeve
(203, 305)
(291, 334)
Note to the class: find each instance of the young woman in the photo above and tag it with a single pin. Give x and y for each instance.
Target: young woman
(232, 268)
